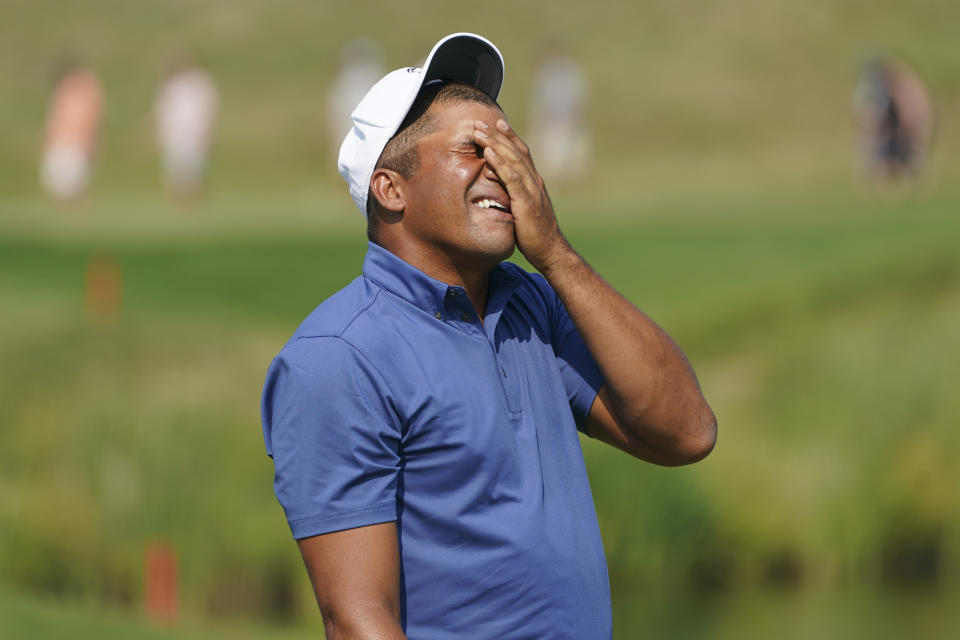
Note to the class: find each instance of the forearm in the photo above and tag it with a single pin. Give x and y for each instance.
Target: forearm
(652, 390)
(656, 410)
(362, 623)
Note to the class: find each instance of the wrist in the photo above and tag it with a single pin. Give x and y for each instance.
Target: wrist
(559, 260)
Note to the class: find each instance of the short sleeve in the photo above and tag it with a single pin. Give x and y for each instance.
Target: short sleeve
(331, 428)
(581, 376)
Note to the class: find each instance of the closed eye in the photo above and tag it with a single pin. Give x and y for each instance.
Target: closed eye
(471, 147)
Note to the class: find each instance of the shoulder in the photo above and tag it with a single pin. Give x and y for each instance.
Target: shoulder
(320, 367)
(334, 316)
(358, 325)
(319, 341)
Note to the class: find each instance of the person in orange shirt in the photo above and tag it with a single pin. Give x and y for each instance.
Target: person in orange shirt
(73, 124)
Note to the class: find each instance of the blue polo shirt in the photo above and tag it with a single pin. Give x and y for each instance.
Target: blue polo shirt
(393, 402)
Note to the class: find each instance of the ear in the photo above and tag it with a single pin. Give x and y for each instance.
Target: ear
(389, 188)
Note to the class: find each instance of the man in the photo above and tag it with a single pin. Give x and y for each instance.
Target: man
(423, 420)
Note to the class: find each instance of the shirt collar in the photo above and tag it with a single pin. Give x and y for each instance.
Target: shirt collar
(406, 281)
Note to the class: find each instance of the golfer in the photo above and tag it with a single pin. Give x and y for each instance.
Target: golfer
(423, 420)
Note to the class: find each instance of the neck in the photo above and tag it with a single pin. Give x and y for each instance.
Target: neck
(472, 275)
(477, 289)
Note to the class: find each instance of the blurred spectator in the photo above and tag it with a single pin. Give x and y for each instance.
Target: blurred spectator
(185, 110)
(73, 123)
(558, 133)
(361, 65)
(895, 117)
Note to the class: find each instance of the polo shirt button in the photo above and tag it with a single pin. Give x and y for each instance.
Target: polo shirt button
(453, 293)
(438, 315)
(465, 316)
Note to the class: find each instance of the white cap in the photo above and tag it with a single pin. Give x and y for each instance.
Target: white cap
(460, 57)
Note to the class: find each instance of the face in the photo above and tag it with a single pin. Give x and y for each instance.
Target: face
(449, 212)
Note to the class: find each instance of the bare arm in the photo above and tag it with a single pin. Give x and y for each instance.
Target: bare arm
(651, 405)
(356, 578)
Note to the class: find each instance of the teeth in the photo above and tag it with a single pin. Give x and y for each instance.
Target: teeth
(486, 203)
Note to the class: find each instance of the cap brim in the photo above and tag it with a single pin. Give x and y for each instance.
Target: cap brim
(467, 58)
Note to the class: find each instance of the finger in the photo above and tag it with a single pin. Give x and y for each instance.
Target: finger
(512, 142)
(500, 155)
(508, 172)
(489, 137)
(502, 134)
(504, 127)
(504, 147)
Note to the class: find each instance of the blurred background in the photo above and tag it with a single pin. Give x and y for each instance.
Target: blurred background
(775, 182)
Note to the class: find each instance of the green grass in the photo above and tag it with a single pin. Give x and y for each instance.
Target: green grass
(869, 613)
(825, 343)
(820, 312)
(32, 617)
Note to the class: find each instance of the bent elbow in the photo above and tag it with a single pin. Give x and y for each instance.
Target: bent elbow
(706, 438)
(700, 440)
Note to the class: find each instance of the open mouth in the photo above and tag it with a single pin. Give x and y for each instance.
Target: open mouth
(487, 203)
